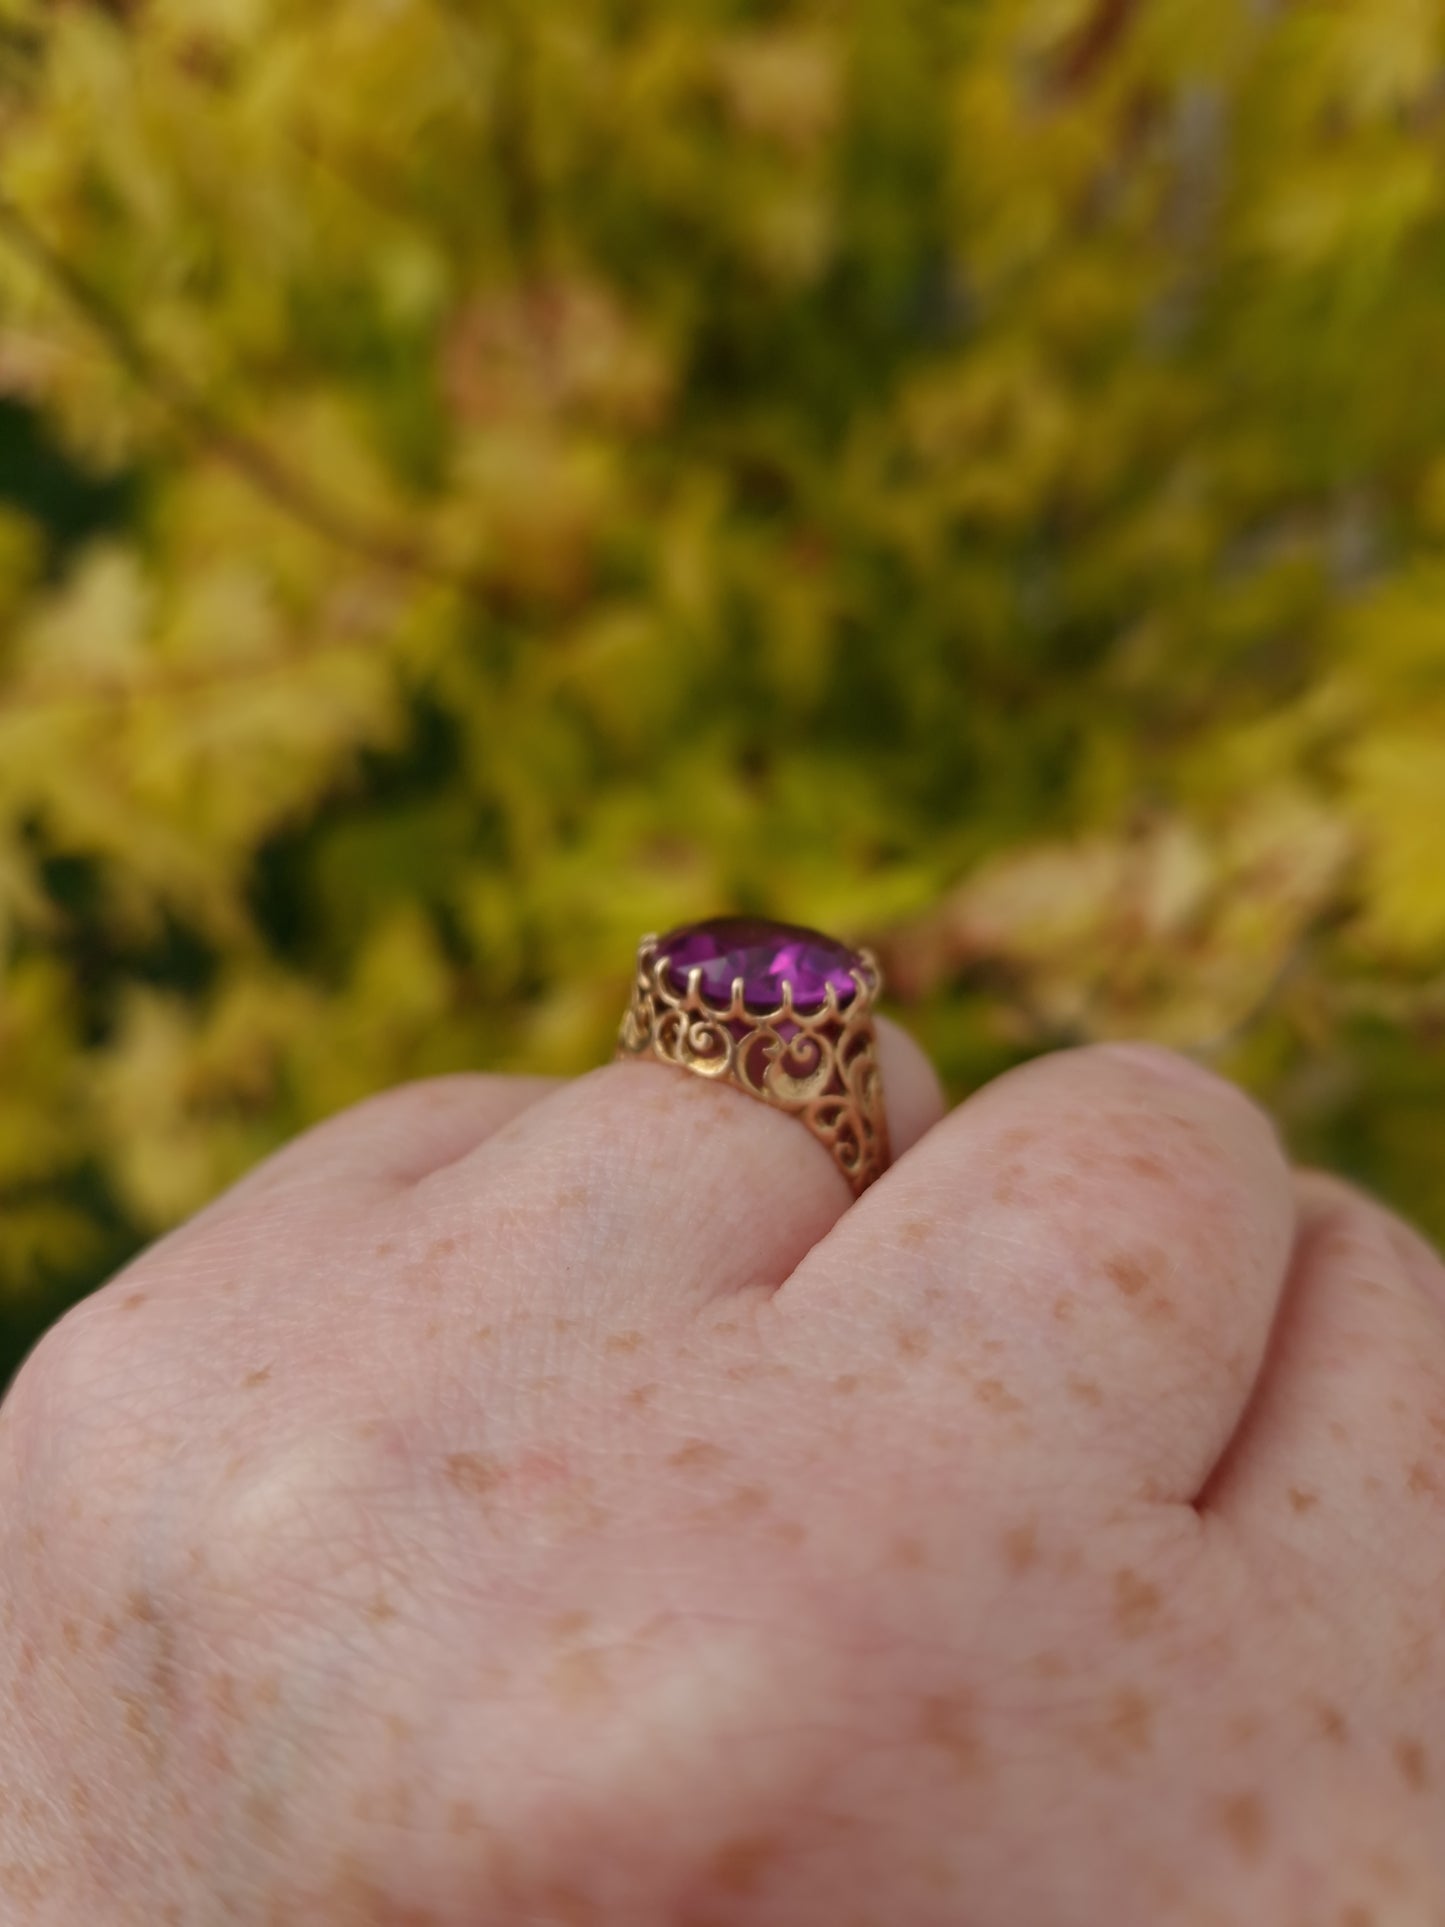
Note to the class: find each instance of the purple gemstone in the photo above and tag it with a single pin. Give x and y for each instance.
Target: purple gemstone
(766, 956)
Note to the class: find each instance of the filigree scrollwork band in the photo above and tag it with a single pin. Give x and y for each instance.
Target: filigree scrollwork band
(820, 1065)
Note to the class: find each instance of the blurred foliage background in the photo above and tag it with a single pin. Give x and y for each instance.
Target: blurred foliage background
(480, 479)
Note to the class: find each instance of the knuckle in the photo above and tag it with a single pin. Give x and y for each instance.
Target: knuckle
(50, 1380)
(397, 1109)
(308, 1510)
(74, 1400)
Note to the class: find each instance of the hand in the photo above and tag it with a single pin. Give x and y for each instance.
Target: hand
(521, 1505)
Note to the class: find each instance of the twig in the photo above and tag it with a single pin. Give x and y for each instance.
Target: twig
(248, 457)
(1101, 34)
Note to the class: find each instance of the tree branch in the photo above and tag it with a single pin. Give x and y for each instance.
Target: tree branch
(247, 457)
(1101, 34)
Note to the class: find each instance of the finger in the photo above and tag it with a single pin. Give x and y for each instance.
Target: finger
(378, 1146)
(1087, 1254)
(648, 1190)
(1341, 1455)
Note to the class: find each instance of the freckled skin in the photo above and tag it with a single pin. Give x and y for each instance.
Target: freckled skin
(993, 1393)
(948, 1725)
(1245, 1821)
(1136, 1604)
(472, 1472)
(1131, 1273)
(1132, 1721)
(1021, 1547)
(1425, 1481)
(1333, 1724)
(738, 1867)
(1054, 1538)
(1414, 1764)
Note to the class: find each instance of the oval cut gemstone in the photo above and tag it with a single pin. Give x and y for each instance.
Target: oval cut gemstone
(766, 956)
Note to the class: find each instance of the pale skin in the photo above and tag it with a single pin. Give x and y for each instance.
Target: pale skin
(532, 1505)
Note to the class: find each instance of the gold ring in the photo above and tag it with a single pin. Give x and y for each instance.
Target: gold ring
(776, 1010)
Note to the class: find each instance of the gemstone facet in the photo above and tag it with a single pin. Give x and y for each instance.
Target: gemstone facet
(766, 956)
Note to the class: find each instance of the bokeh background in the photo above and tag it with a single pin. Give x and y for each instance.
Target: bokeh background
(480, 479)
